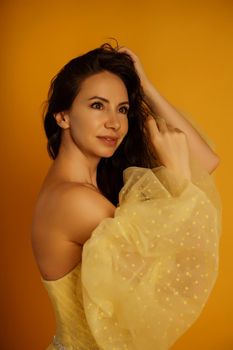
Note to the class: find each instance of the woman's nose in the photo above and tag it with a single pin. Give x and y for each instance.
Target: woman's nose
(113, 121)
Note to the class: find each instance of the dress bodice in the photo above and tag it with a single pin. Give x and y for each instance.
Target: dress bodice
(71, 326)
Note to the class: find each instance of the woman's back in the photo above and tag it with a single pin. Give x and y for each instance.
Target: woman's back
(61, 225)
(65, 215)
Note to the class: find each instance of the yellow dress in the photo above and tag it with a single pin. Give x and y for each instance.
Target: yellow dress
(146, 274)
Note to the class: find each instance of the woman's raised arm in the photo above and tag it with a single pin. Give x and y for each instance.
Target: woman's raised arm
(161, 107)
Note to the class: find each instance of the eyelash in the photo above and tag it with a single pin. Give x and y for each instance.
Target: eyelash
(99, 103)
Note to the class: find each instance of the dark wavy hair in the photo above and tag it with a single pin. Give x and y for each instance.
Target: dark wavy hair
(135, 149)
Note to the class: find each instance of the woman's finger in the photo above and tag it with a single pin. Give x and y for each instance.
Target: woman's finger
(162, 125)
(129, 52)
(124, 48)
(151, 126)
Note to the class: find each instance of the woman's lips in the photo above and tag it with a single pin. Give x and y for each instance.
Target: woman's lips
(108, 141)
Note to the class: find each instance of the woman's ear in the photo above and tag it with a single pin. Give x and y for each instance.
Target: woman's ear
(62, 119)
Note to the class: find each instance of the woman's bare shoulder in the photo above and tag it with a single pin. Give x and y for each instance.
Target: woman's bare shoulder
(74, 209)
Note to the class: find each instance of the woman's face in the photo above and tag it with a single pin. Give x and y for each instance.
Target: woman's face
(100, 109)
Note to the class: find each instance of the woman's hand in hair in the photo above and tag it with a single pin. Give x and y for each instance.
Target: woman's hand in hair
(137, 65)
(169, 144)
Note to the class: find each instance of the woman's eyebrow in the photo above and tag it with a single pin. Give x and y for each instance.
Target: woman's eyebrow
(105, 100)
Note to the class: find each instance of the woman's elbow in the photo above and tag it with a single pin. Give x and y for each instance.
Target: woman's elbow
(214, 164)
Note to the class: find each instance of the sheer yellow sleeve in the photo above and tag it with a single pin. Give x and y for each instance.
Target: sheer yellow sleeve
(147, 273)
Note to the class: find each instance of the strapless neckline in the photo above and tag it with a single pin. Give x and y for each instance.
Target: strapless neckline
(63, 277)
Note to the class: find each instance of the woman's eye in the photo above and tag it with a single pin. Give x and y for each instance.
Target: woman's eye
(126, 110)
(96, 103)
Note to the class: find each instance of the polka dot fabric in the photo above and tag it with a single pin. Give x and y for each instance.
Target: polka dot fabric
(147, 273)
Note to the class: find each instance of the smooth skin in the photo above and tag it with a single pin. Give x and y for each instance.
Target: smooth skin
(70, 205)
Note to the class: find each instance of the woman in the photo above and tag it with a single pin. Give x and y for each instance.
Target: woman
(127, 222)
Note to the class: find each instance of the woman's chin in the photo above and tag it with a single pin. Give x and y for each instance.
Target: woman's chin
(106, 154)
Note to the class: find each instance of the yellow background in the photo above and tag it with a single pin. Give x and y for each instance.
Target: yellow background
(186, 48)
